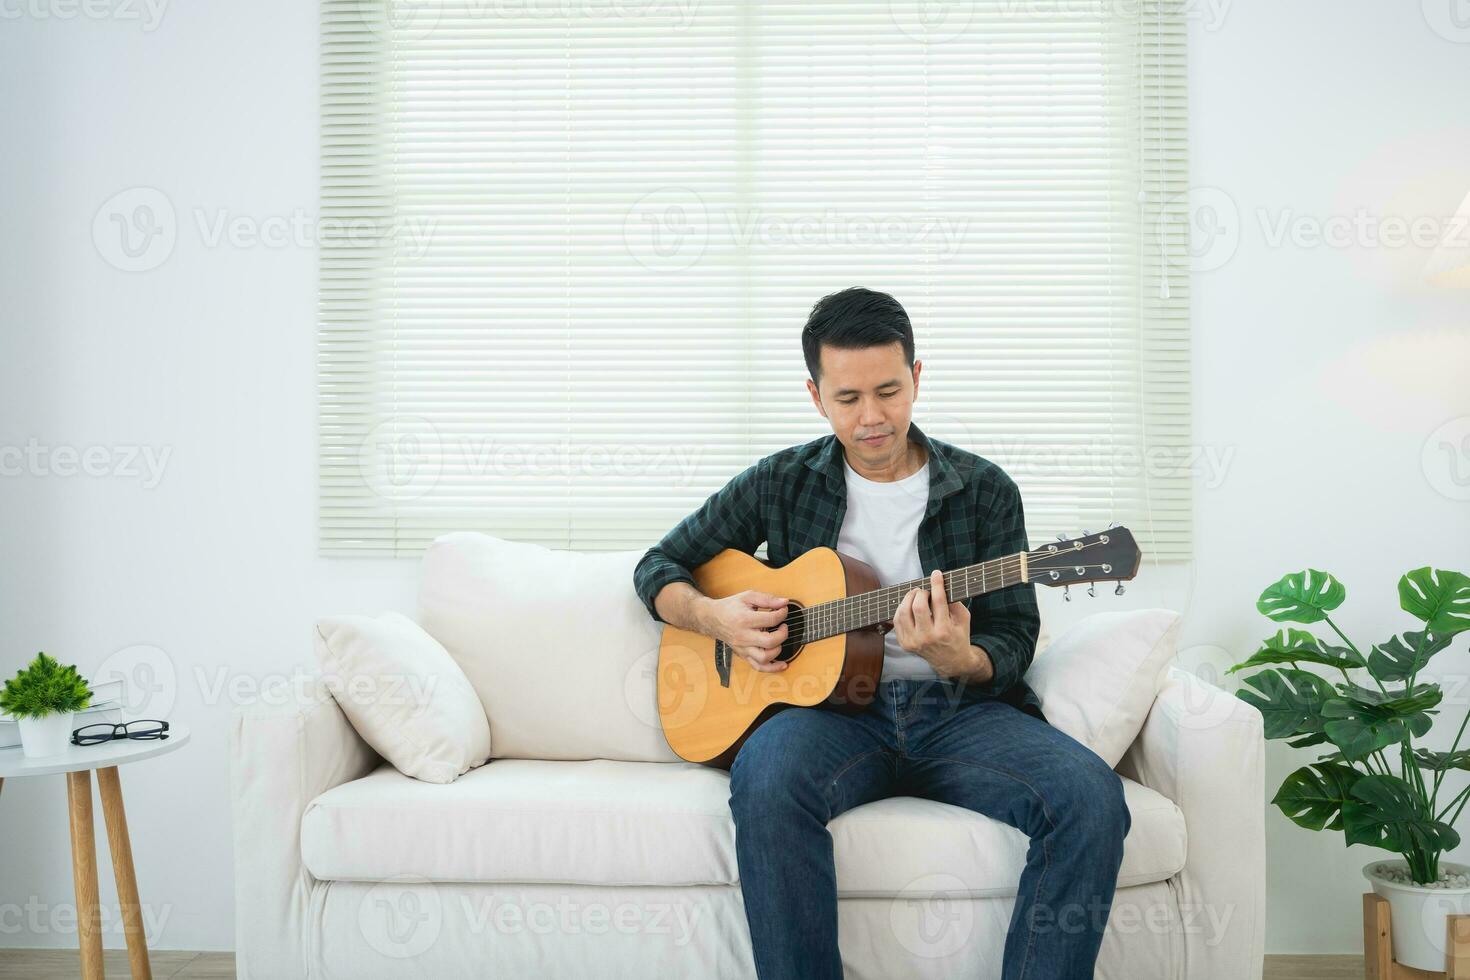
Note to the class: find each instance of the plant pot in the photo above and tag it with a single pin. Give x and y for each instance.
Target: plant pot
(1419, 913)
(47, 735)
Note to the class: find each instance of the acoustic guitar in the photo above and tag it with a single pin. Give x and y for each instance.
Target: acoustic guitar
(709, 700)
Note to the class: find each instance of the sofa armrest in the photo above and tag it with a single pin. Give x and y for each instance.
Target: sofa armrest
(281, 758)
(1205, 749)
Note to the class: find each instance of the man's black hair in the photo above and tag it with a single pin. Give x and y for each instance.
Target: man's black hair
(851, 320)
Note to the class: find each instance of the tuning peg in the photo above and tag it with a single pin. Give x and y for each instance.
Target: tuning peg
(1067, 593)
(1061, 537)
(1119, 589)
(1111, 524)
(1092, 590)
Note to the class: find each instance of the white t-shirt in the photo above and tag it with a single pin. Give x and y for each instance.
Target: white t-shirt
(881, 527)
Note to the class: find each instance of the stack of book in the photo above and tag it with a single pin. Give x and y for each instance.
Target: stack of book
(106, 706)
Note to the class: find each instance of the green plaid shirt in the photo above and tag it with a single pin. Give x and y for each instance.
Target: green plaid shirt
(795, 499)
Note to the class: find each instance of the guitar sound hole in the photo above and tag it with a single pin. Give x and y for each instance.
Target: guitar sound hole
(791, 647)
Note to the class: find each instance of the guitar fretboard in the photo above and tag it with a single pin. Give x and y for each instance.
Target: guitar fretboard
(879, 606)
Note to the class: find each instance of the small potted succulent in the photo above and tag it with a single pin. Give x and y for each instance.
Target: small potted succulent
(43, 697)
(1375, 785)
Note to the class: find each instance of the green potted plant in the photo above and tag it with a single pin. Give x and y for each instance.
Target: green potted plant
(1375, 785)
(43, 697)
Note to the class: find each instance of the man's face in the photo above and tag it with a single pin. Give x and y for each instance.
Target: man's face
(868, 393)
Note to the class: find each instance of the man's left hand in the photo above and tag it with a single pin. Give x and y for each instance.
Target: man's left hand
(935, 629)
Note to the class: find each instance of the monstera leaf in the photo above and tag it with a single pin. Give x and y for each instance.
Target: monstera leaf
(1302, 597)
(1440, 599)
(1290, 701)
(1362, 721)
(1291, 646)
(1441, 761)
(1313, 796)
(1402, 702)
(1387, 813)
(1402, 657)
(1316, 738)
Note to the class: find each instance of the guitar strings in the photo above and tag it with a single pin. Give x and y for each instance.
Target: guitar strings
(1008, 564)
(873, 601)
(825, 615)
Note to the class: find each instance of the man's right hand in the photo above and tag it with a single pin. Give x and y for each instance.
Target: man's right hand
(752, 624)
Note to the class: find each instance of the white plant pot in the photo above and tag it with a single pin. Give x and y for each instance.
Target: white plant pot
(47, 735)
(1419, 913)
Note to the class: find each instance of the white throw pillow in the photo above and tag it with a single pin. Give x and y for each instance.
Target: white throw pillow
(556, 644)
(1097, 681)
(404, 694)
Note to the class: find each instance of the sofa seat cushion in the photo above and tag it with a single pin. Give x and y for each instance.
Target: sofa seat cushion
(595, 822)
(603, 822)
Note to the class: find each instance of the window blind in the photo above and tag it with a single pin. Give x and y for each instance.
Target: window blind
(576, 245)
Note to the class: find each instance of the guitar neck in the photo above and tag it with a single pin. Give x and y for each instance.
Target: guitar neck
(866, 609)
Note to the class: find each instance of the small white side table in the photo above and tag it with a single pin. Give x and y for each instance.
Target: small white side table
(77, 762)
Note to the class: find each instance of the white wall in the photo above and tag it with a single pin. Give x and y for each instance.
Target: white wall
(1328, 368)
(1321, 373)
(210, 356)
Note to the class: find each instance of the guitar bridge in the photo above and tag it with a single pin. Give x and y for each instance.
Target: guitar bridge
(722, 662)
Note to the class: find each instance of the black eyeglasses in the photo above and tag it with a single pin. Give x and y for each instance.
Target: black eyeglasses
(138, 728)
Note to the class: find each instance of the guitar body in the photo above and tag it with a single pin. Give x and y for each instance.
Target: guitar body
(708, 713)
(709, 700)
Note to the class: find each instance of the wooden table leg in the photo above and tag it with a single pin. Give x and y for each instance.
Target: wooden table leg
(84, 873)
(1457, 943)
(1377, 943)
(122, 867)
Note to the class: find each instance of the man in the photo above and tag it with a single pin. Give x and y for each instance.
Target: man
(952, 720)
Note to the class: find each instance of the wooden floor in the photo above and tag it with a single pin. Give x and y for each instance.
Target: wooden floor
(62, 964)
(1309, 968)
(65, 964)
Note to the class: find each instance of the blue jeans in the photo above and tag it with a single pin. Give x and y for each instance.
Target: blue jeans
(937, 740)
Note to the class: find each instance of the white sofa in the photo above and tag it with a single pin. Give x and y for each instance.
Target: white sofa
(585, 849)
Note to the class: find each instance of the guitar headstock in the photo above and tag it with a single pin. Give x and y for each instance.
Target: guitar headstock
(1105, 556)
